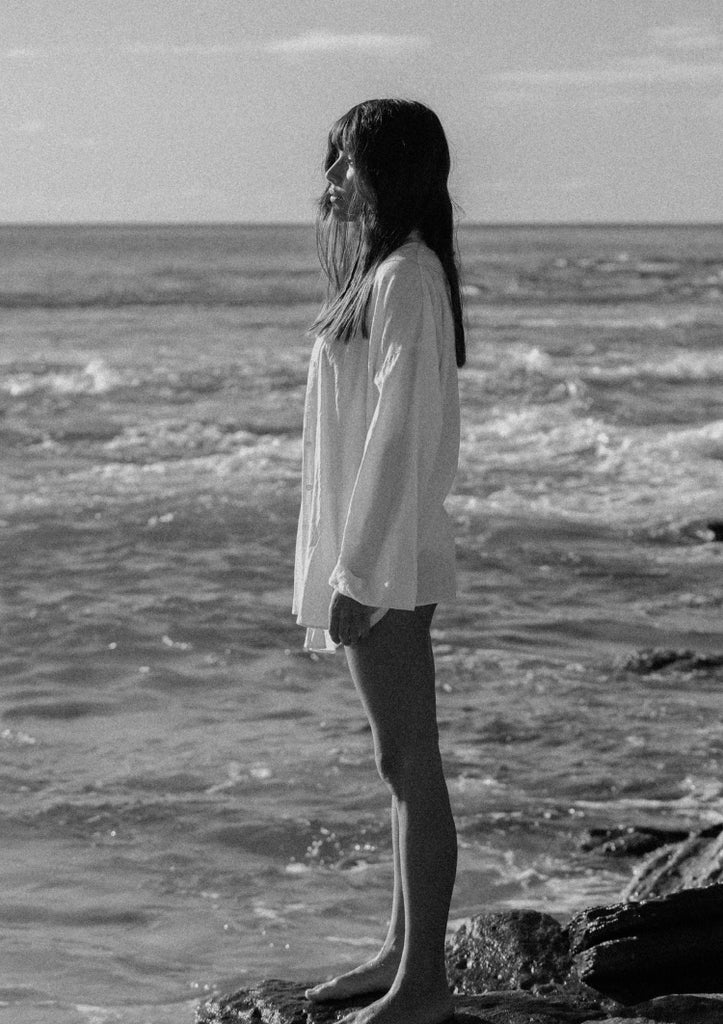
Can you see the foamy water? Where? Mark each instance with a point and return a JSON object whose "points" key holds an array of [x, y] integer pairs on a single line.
{"points": [[189, 800]]}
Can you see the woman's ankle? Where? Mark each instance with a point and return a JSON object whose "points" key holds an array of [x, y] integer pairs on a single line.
{"points": [[391, 952], [421, 977]]}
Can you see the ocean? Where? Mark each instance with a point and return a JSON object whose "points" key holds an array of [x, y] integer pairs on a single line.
{"points": [[189, 801]]}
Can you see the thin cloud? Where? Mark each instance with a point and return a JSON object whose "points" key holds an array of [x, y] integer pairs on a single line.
{"points": [[190, 50], [528, 95], [308, 43], [631, 71], [714, 109], [81, 143], [22, 53], [335, 42], [28, 127], [689, 35]]}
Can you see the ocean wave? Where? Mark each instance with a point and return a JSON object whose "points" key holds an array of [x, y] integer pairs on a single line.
{"points": [[546, 462], [683, 367], [596, 285], [596, 279], [109, 295], [680, 532], [62, 710], [162, 383], [499, 369], [638, 317], [95, 378], [533, 432], [697, 443]]}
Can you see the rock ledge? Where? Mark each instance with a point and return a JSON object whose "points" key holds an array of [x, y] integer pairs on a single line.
{"points": [[282, 1002]]}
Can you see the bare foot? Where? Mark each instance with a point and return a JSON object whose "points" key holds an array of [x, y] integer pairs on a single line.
{"points": [[376, 975], [394, 1008]]}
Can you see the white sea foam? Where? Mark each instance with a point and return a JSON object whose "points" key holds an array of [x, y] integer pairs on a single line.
{"points": [[95, 378], [681, 367]]}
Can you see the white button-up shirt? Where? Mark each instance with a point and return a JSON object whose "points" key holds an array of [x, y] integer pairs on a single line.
{"points": [[380, 451]]}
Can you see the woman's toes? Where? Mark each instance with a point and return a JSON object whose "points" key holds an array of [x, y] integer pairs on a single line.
{"points": [[366, 980]]}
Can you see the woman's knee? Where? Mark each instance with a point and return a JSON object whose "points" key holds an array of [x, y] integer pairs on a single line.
{"points": [[390, 767], [400, 764]]}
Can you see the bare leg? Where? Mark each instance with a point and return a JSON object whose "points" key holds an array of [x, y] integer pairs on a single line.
{"points": [[377, 974], [393, 670]]}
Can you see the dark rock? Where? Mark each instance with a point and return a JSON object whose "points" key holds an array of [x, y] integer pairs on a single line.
{"points": [[636, 951], [692, 864], [516, 968], [509, 1007], [716, 528], [633, 841], [682, 1009], [656, 659], [627, 1020], [518, 949], [694, 531], [280, 1002], [601, 924]]}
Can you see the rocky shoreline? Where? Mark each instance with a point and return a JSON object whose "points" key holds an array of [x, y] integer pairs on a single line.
{"points": [[657, 956], [281, 1002]]}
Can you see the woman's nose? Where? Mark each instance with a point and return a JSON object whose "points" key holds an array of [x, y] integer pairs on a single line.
{"points": [[333, 174]]}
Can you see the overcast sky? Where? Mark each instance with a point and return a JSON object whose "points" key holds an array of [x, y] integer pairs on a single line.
{"points": [[217, 110]]}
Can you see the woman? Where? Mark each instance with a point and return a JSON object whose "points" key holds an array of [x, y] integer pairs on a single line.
{"points": [[375, 550]]}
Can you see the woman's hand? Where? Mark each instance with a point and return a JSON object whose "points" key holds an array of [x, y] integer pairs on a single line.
{"points": [[348, 620]]}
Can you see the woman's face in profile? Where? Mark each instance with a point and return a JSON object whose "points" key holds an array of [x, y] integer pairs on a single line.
{"points": [[342, 186]]}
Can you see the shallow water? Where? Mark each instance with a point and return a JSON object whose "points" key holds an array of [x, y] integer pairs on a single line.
{"points": [[188, 799]]}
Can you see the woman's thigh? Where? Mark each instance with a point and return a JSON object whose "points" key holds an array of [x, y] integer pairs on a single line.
{"points": [[393, 671]]}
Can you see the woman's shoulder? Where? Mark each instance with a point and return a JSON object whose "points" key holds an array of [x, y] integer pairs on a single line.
{"points": [[411, 266]]}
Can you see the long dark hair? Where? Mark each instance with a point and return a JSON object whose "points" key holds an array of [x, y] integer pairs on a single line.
{"points": [[401, 165]]}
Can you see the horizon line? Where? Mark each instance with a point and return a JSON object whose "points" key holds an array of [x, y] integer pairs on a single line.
{"points": [[310, 224]]}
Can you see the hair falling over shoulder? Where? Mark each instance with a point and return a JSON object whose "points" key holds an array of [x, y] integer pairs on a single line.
{"points": [[401, 164]]}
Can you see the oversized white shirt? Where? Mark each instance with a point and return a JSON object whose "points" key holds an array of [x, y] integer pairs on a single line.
{"points": [[380, 452]]}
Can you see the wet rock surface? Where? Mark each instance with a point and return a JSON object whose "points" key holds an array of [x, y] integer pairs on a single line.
{"points": [[651, 960], [657, 659], [282, 1002], [519, 949], [716, 529], [691, 864], [677, 1009], [637, 951], [631, 841]]}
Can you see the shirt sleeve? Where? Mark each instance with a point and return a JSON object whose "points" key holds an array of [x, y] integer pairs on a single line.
{"points": [[377, 563]]}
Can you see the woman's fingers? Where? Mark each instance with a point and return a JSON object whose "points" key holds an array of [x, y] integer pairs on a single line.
{"points": [[359, 625], [347, 627], [335, 625], [341, 623], [364, 624], [348, 620]]}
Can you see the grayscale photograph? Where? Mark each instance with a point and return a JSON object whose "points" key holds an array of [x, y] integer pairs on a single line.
{"points": [[361, 512]]}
